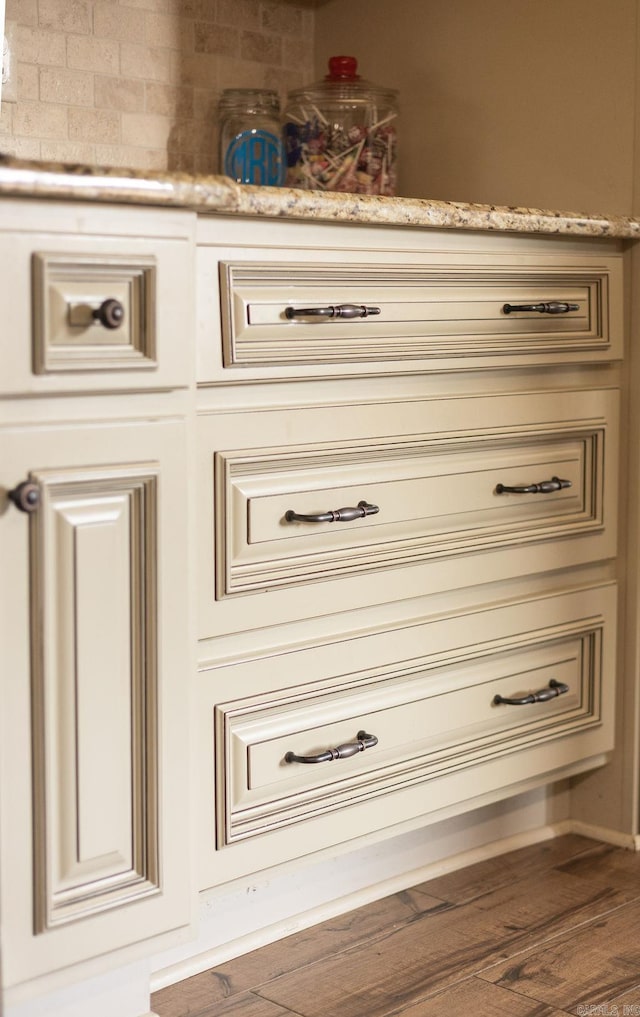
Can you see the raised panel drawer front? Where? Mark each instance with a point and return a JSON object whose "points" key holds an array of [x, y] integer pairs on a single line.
{"points": [[504, 694], [537, 468], [104, 307], [297, 315], [94, 313]]}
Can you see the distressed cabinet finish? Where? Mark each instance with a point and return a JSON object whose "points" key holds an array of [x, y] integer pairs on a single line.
{"points": [[431, 311], [431, 305], [95, 622], [408, 496], [319, 535], [440, 477], [436, 700]]}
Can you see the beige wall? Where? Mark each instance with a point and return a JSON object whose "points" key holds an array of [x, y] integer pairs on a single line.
{"points": [[515, 102], [136, 82]]}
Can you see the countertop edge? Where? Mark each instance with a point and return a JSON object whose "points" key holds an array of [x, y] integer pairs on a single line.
{"points": [[216, 195]]}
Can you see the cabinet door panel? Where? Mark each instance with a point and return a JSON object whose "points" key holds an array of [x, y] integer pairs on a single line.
{"points": [[95, 716], [95, 685]]}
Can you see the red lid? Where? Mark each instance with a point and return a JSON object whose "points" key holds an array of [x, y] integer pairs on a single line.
{"points": [[342, 68]]}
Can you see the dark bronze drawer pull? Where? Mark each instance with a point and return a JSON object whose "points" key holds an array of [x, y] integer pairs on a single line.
{"points": [[365, 741], [337, 311], [553, 690], [544, 487], [546, 307], [342, 515], [26, 496]]}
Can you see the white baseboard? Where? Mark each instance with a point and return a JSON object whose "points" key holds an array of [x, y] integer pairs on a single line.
{"points": [[629, 841]]}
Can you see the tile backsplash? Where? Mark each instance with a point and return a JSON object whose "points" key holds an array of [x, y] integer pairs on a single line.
{"points": [[136, 82]]}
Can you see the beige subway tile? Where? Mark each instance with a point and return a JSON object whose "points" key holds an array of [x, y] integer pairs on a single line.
{"points": [[241, 74], [65, 15], [265, 49], [131, 157], [309, 24], [67, 88], [207, 139], [216, 39], [298, 55], [240, 13], [146, 130], [67, 151], [24, 12], [124, 94], [21, 148], [199, 70], [97, 126], [169, 100], [28, 82], [150, 5], [175, 69], [40, 120], [40, 46], [185, 136], [181, 162], [102, 56], [206, 163], [114, 155], [201, 10], [282, 80], [285, 19], [152, 159], [121, 24], [168, 31], [6, 119], [144, 62], [205, 104]]}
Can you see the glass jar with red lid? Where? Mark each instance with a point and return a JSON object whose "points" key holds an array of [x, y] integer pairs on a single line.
{"points": [[341, 133]]}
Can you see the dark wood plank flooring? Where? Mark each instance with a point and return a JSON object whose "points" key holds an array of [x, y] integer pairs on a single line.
{"points": [[549, 930]]}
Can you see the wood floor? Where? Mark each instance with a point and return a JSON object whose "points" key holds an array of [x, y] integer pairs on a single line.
{"points": [[548, 930]]}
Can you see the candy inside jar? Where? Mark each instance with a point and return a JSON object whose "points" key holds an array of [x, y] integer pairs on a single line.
{"points": [[341, 134]]}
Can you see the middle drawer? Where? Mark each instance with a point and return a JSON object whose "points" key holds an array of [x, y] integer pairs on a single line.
{"points": [[484, 476]]}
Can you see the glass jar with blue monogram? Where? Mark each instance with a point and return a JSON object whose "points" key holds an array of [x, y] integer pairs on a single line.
{"points": [[251, 148]]}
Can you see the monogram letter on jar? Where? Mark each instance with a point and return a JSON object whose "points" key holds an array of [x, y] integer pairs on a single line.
{"points": [[251, 149], [341, 135]]}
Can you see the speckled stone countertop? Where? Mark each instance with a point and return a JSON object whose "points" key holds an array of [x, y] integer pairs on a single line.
{"points": [[222, 196]]}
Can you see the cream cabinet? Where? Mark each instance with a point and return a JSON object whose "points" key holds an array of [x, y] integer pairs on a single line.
{"points": [[408, 496], [96, 631], [309, 534]]}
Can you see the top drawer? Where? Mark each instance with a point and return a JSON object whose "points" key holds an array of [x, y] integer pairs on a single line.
{"points": [[106, 307], [291, 314]]}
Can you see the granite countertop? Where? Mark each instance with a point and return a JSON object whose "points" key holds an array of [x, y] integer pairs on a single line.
{"points": [[222, 196]]}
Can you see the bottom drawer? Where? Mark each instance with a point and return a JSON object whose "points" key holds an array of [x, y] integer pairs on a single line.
{"points": [[497, 696]]}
